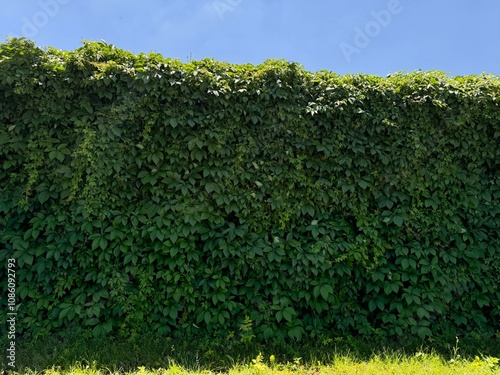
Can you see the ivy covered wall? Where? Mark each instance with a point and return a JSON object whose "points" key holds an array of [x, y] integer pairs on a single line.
{"points": [[139, 194]]}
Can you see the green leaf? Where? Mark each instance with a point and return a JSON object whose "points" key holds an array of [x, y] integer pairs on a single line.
{"points": [[103, 243], [422, 313], [413, 263], [268, 333], [363, 184], [429, 203], [28, 259], [98, 331], [386, 203], [65, 312], [288, 313], [388, 289], [221, 319], [96, 311], [107, 326], [395, 287], [380, 304], [398, 220], [210, 187], [159, 234], [279, 316], [207, 317], [296, 333], [103, 293], [483, 302], [43, 196], [424, 332], [372, 305], [308, 209], [325, 291], [316, 291], [348, 187], [92, 321], [73, 239]]}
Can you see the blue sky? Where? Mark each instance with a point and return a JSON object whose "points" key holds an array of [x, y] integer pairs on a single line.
{"points": [[379, 37]]}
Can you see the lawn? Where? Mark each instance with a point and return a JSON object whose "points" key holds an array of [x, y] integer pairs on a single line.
{"points": [[73, 354], [419, 363]]}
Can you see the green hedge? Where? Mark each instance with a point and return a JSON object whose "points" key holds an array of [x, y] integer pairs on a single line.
{"points": [[143, 194]]}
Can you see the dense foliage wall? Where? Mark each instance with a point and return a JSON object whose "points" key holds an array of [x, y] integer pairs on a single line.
{"points": [[138, 193]]}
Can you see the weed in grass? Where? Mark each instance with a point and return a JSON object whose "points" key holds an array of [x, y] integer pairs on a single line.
{"points": [[455, 356], [246, 331]]}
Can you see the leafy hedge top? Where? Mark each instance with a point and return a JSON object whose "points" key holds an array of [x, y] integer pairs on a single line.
{"points": [[141, 191]]}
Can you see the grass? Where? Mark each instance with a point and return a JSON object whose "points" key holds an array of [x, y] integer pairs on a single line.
{"points": [[72, 353], [417, 364]]}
